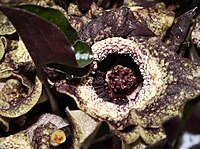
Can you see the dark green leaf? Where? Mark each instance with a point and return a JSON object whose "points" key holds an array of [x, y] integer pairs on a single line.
{"points": [[82, 51], [83, 54], [50, 44], [54, 16], [44, 41]]}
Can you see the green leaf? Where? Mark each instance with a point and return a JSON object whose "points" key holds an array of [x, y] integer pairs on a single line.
{"points": [[82, 51], [50, 39], [55, 17], [45, 42], [83, 54]]}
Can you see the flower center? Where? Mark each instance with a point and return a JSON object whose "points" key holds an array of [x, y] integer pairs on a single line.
{"points": [[117, 79], [121, 80]]}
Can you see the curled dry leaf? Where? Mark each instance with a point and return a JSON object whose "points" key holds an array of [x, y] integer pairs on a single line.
{"points": [[135, 85]]}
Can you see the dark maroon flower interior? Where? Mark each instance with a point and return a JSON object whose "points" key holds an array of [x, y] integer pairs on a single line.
{"points": [[116, 77]]}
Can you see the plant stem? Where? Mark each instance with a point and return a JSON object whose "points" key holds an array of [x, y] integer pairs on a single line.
{"points": [[53, 102]]}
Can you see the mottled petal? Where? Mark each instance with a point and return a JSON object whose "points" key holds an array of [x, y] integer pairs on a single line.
{"points": [[6, 28], [15, 55], [37, 135], [19, 140], [18, 99], [177, 83], [157, 18], [3, 44], [105, 26], [180, 29], [196, 33]]}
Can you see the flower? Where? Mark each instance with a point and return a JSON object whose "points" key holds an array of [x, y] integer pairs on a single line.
{"points": [[38, 135], [58, 137], [160, 84]]}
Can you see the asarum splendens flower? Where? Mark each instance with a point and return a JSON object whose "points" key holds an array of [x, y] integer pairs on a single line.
{"points": [[44, 133], [135, 85]]}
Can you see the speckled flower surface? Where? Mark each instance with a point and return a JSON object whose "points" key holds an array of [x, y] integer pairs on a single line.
{"points": [[196, 33], [136, 81], [37, 135], [168, 81], [22, 88]]}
